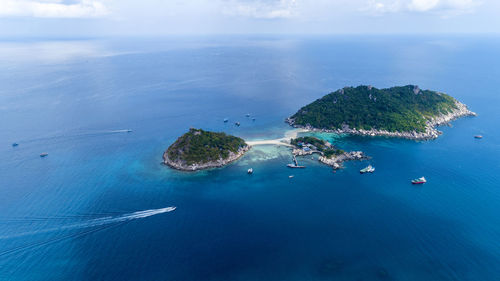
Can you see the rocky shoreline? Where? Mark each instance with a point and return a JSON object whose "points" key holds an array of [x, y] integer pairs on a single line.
{"points": [[430, 133], [180, 165], [336, 160]]}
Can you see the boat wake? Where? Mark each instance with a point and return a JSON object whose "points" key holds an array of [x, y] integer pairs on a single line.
{"points": [[73, 136], [119, 131], [97, 222], [90, 226]]}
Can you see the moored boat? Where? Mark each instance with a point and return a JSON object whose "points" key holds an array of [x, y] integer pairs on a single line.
{"points": [[15, 144], [368, 169], [226, 120], [294, 166], [421, 180], [237, 124], [478, 136], [43, 154]]}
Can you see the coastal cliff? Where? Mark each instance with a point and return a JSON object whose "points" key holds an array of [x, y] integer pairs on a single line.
{"points": [[404, 112], [199, 149], [336, 160]]}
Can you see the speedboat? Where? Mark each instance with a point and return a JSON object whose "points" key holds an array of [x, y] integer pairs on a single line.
{"points": [[295, 166], [250, 171], [478, 136], [44, 154], [368, 169], [237, 124], [129, 131], [226, 120], [421, 180]]}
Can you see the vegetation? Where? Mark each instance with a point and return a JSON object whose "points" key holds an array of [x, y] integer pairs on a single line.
{"points": [[322, 146], [199, 146], [402, 109]]}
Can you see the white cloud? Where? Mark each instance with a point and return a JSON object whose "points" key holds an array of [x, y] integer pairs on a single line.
{"points": [[261, 9], [380, 6], [423, 5], [443, 7], [52, 8]]}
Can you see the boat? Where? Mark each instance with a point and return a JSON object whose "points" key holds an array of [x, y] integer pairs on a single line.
{"points": [[129, 131], [478, 136], [253, 119], [250, 171], [43, 154], [294, 166], [290, 176], [237, 124], [419, 181], [15, 144], [226, 120], [247, 115], [368, 169]]}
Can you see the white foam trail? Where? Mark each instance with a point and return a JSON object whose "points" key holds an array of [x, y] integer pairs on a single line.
{"points": [[98, 222], [120, 131]]}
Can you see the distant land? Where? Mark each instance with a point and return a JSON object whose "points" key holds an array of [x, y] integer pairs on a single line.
{"points": [[406, 112], [198, 149]]}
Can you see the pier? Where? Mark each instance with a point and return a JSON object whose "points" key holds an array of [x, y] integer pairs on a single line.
{"points": [[295, 164]]}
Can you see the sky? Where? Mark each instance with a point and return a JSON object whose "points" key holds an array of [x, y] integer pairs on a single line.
{"points": [[87, 18]]}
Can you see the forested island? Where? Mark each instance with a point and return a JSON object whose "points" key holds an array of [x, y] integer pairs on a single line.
{"points": [[330, 154], [405, 111], [308, 145], [198, 149]]}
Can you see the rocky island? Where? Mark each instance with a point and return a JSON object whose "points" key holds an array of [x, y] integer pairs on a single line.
{"points": [[406, 112], [330, 155], [198, 149]]}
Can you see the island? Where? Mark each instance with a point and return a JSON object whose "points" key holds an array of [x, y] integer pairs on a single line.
{"points": [[405, 111], [329, 154], [198, 149]]}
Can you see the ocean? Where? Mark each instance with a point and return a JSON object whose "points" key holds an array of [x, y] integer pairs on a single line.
{"points": [[95, 207]]}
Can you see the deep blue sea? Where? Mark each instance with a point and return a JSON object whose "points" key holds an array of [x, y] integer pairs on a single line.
{"points": [[73, 214]]}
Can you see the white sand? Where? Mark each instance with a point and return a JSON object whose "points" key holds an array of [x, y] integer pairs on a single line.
{"points": [[281, 141]]}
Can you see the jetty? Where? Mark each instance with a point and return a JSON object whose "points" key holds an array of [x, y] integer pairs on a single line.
{"points": [[295, 164]]}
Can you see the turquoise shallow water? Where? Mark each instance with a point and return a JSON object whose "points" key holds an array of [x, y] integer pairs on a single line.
{"points": [[61, 217]]}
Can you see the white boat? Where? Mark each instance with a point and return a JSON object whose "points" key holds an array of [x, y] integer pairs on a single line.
{"points": [[368, 169], [290, 176], [295, 166], [250, 171], [421, 180]]}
